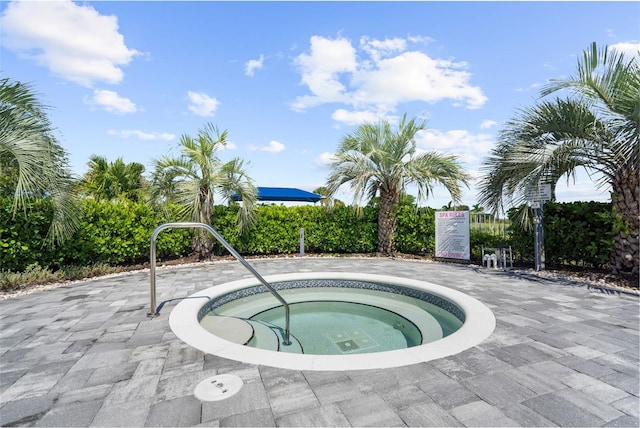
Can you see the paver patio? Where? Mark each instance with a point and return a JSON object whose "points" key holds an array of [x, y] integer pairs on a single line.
{"points": [[85, 354]]}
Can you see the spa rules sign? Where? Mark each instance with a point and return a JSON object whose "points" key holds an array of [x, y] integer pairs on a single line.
{"points": [[452, 235]]}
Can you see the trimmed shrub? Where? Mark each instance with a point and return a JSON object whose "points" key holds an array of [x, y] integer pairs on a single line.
{"points": [[575, 233], [22, 236], [109, 233], [118, 233], [416, 230], [277, 231]]}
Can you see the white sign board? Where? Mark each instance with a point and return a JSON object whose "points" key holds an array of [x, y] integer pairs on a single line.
{"points": [[541, 192], [452, 235]]}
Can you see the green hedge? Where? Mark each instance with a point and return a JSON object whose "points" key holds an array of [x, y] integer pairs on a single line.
{"points": [[576, 233], [277, 231], [109, 233], [118, 233], [416, 230], [22, 236]]}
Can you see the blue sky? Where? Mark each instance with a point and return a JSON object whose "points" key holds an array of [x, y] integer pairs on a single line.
{"points": [[289, 79]]}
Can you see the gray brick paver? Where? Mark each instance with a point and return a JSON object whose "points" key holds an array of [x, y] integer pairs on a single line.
{"points": [[135, 389], [562, 412], [25, 411], [102, 359], [77, 414], [130, 414], [291, 398], [370, 410], [112, 374], [534, 380], [629, 405], [482, 414], [590, 403], [625, 421], [498, 389], [325, 416], [331, 393], [623, 382], [587, 367], [31, 384], [526, 417], [179, 412], [89, 348], [427, 414], [89, 393], [402, 396]]}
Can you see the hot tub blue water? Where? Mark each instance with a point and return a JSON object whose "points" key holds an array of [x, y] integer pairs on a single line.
{"points": [[335, 317], [334, 328]]}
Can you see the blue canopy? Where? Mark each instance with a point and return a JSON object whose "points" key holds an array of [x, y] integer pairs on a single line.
{"points": [[284, 194]]}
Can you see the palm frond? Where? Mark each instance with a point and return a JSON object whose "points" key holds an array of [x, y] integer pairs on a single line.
{"points": [[26, 143]]}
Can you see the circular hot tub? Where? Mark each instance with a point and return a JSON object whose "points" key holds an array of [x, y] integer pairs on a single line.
{"points": [[339, 321]]}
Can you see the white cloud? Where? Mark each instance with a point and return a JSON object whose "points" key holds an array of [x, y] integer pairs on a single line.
{"points": [[252, 65], [272, 147], [381, 75], [111, 101], [325, 159], [583, 189], [355, 117], [141, 135], [486, 124], [470, 148], [321, 70], [202, 104], [229, 146], [629, 49], [72, 41], [382, 48], [534, 86]]}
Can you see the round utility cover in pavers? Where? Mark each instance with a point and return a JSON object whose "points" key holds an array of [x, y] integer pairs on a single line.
{"points": [[218, 387]]}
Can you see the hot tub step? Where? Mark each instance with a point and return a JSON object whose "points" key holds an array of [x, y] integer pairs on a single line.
{"points": [[233, 329], [263, 337]]}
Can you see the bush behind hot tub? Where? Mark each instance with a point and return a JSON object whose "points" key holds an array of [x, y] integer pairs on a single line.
{"points": [[119, 233]]}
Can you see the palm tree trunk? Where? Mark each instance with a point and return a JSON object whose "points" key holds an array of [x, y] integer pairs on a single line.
{"points": [[203, 243], [626, 190], [387, 222]]}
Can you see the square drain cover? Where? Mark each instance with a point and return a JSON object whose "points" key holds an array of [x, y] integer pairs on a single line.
{"points": [[347, 345]]}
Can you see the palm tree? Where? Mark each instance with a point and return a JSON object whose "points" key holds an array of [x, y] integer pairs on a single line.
{"points": [[477, 209], [376, 160], [328, 201], [596, 128], [451, 206], [114, 180], [193, 179], [36, 165]]}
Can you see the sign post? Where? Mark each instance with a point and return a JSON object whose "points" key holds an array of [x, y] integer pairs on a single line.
{"points": [[537, 195], [538, 231]]}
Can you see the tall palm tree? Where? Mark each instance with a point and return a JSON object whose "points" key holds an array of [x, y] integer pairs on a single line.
{"points": [[33, 158], [376, 160], [114, 180], [193, 179], [596, 127]]}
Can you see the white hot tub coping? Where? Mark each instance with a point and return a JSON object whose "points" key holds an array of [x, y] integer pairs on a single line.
{"points": [[479, 325]]}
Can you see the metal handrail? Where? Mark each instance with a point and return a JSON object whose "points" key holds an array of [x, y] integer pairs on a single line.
{"points": [[234, 253]]}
